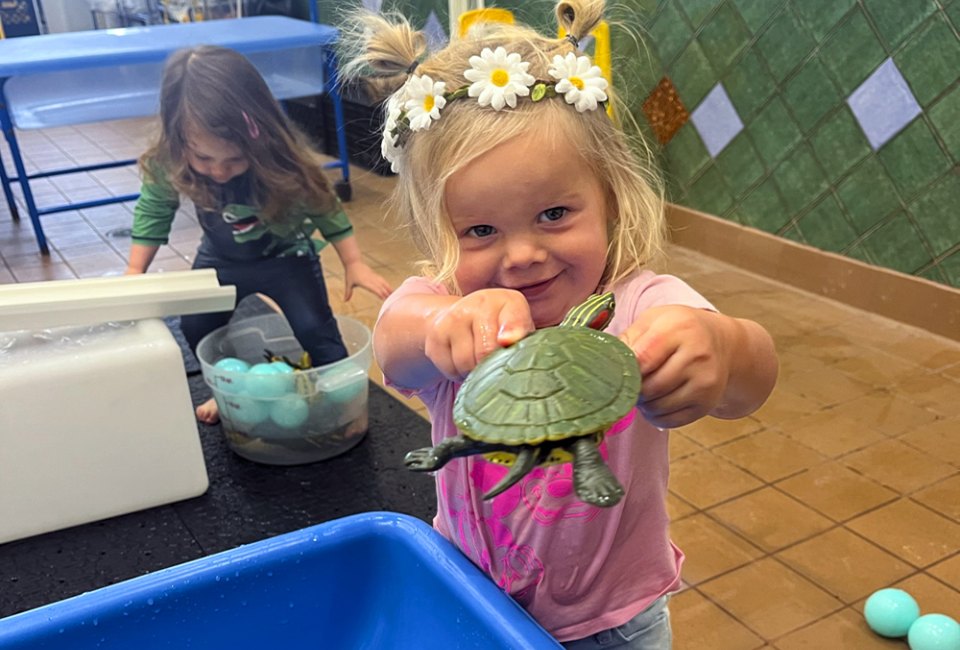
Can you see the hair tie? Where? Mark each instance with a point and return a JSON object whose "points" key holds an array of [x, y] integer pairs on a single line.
{"points": [[573, 39], [252, 129]]}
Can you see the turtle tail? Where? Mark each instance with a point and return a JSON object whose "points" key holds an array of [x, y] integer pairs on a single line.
{"points": [[526, 460]]}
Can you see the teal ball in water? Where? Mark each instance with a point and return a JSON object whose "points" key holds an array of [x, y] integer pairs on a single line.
{"points": [[243, 411], [891, 612], [343, 384], [229, 374], [266, 380], [232, 364], [282, 366], [290, 411], [934, 632]]}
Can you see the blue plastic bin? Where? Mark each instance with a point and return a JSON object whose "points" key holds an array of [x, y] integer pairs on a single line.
{"points": [[377, 580]]}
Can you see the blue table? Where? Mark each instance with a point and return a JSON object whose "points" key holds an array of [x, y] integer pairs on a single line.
{"points": [[72, 78]]}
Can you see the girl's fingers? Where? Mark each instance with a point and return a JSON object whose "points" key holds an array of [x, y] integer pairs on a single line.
{"points": [[667, 379], [651, 345], [468, 349], [380, 287], [473, 328], [514, 322], [442, 355], [665, 404], [454, 353], [673, 419]]}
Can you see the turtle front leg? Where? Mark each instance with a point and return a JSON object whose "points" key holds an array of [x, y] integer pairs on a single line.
{"points": [[428, 459], [592, 478]]}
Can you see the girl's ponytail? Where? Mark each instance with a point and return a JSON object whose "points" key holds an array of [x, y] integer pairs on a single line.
{"points": [[578, 18], [386, 44]]}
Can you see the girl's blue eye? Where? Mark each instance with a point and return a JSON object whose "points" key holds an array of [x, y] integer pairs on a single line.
{"points": [[481, 231], [553, 214]]}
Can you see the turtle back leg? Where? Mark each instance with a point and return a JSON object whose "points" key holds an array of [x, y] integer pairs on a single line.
{"points": [[428, 459], [527, 458], [592, 478]]}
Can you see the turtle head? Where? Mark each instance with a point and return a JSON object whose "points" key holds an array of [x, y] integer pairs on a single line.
{"points": [[595, 312]]}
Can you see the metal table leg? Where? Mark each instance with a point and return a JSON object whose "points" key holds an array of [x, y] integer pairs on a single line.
{"points": [[7, 192], [331, 83], [7, 125]]}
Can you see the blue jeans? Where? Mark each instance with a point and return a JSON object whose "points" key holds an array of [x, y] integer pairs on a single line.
{"points": [[648, 630], [297, 286]]}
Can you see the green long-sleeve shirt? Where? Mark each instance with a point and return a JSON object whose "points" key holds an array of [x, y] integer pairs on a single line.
{"points": [[234, 232]]}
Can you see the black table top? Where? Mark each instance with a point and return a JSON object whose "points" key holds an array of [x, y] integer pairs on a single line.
{"points": [[245, 502]]}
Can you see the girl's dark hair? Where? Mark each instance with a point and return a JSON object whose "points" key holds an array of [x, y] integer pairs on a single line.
{"points": [[220, 92]]}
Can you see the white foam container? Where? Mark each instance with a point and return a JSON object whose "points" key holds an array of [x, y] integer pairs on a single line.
{"points": [[96, 418], [95, 428]]}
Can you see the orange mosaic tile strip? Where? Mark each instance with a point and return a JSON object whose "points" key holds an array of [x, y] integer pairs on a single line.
{"points": [[665, 111]]}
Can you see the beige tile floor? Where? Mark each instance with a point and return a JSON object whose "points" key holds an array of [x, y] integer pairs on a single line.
{"points": [[846, 481]]}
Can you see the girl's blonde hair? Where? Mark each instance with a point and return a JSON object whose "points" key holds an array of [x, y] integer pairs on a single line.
{"points": [[391, 48], [218, 91]]}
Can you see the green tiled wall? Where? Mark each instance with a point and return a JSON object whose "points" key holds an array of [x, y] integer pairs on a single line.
{"points": [[802, 167]]}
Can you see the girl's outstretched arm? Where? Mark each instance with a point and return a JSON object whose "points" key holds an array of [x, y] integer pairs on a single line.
{"points": [[696, 362], [358, 273], [422, 338], [140, 258]]}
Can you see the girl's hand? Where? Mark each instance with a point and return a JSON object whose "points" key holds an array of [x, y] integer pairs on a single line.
{"points": [[358, 274], [463, 333], [684, 362], [696, 362]]}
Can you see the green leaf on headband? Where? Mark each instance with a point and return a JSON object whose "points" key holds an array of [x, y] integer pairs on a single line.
{"points": [[457, 94], [539, 92]]}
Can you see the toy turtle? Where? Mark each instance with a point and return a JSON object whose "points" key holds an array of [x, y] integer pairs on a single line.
{"points": [[546, 399]]}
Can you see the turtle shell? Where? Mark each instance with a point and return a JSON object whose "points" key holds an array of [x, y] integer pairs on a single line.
{"points": [[554, 384]]}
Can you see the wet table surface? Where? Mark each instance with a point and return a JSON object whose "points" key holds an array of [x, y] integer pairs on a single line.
{"points": [[245, 502]]}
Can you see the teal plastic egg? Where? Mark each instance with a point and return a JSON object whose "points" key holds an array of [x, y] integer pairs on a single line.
{"points": [[243, 411], [934, 632], [232, 364], [344, 383], [891, 612], [232, 379], [289, 411], [266, 380], [282, 366]]}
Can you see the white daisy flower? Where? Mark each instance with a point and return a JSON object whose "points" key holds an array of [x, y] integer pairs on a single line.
{"points": [[580, 83], [388, 147], [498, 78], [424, 101]]}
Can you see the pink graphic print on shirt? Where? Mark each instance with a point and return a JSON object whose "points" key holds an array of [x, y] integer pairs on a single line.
{"points": [[546, 493]]}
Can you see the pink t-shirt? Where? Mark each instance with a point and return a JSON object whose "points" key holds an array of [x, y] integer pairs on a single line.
{"points": [[578, 569]]}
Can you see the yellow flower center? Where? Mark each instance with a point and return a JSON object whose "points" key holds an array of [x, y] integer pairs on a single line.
{"points": [[577, 81], [500, 77], [428, 102]]}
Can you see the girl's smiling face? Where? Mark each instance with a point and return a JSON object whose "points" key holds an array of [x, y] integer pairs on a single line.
{"points": [[530, 216], [218, 159]]}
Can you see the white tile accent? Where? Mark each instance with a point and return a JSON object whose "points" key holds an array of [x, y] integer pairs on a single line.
{"points": [[716, 120], [883, 104], [433, 29]]}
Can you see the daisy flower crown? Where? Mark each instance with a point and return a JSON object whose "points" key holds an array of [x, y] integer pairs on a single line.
{"points": [[497, 79]]}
